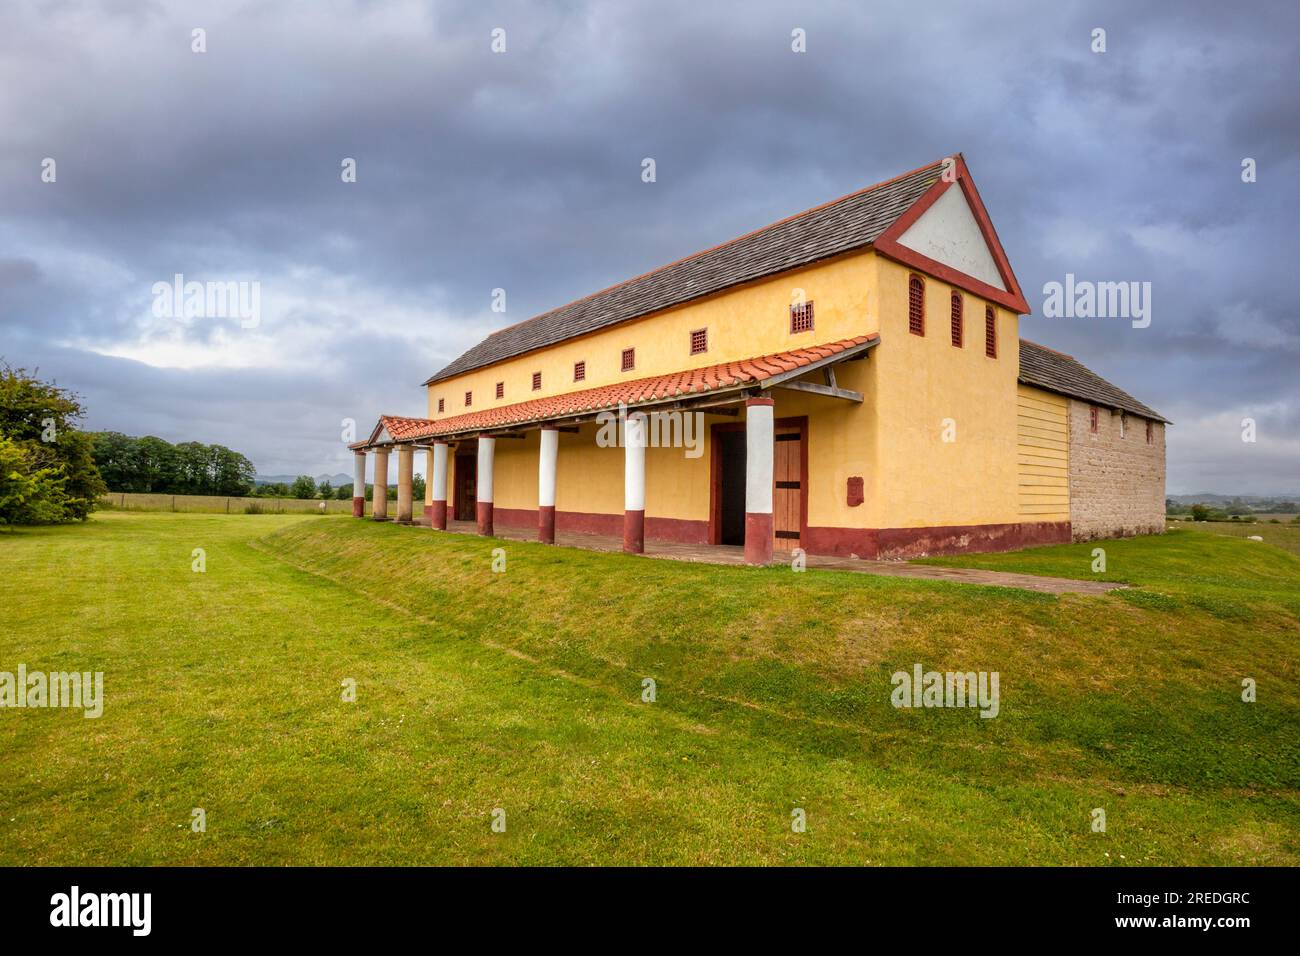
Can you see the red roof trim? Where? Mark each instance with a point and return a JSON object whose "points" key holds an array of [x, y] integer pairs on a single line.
{"points": [[888, 245]]}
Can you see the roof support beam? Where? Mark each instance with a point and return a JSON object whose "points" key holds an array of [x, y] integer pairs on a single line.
{"points": [[829, 391]]}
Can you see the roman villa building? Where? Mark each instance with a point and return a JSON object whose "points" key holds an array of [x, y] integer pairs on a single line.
{"points": [[850, 381]]}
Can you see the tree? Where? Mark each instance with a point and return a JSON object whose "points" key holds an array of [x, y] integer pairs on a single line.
{"points": [[151, 464], [49, 466], [230, 472], [157, 468], [28, 495], [115, 457], [190, 467], [417, 487], [343, 492], [304, 486], [325, 489]]}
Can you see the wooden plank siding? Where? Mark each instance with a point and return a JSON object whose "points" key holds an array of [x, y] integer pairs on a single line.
{"points": [[1043, 455]]}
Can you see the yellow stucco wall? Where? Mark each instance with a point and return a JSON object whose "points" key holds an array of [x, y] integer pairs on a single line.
{"points": [[894, 439], [589, 478], [922, 385], [1042, 455]]}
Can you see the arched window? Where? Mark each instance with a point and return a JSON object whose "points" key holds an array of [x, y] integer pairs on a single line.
{"points": [[956, 319], [990, 333], [916, 306]]}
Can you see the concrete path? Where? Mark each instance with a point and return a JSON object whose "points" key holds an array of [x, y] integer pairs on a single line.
{"points": [[733, 554]]}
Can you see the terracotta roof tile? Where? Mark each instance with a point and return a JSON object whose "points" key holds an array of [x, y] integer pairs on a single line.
{"points": [[639, 391]]}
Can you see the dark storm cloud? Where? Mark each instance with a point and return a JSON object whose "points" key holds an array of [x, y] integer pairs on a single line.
{"points": [[521, 171]]}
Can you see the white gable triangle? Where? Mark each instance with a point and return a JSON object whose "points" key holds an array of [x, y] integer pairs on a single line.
{"points": [[948, 232]]}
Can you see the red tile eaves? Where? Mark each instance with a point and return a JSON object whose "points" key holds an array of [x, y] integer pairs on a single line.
{"points": [[688, 382]]}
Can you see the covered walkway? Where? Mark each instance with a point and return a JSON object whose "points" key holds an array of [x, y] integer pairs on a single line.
{"points": [[642, 405]]}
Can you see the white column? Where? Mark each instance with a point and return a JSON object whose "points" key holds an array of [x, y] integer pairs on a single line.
{"points": [[359, 484], [547, 456], [634, 484], [760, 437], [438, 485], [405, 476], [379, 498], [483, 491]]}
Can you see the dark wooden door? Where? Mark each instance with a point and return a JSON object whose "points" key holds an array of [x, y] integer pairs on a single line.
{"points": [[465, 488], [732, 461]]}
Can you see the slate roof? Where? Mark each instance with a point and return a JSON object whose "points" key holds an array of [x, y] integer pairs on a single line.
{"points": [[851, 222], [724, 375], [1057, 372]]}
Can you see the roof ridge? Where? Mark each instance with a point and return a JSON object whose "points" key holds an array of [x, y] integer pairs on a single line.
{"points": [[703, 252], [723, 245]]}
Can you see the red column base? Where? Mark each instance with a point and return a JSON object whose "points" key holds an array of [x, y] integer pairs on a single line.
{"points": [[484, 517], [438, 516], [358, 507], [758, 538], [634, 532], [546, 524]]}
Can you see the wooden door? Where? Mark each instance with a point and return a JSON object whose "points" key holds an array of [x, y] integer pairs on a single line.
{"points": [[787, 493]]}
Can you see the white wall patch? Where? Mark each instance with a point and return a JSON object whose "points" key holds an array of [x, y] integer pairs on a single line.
{"points": [[948, 232]]}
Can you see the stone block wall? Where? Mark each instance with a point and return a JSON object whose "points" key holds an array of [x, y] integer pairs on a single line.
{"points": [[1117, 482]]}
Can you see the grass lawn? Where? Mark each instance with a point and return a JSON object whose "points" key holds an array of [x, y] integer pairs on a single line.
{"points": [[522, 690], [1285, 534]]}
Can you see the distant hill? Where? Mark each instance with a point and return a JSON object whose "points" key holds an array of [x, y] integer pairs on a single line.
{"points": [[1211, 498], [335, 480]]}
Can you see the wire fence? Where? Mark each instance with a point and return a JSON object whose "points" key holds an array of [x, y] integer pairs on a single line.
{"points": [[219, 504]]}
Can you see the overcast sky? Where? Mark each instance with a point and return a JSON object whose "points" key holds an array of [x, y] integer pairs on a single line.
{"points": [[522, 170]]}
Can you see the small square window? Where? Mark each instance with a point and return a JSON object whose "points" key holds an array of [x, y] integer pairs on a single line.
{"points": [[801, 317], [442, 405], [629, 359], [469, 399], [579, 371], [699, 341], [501, 389], [537, 381]]}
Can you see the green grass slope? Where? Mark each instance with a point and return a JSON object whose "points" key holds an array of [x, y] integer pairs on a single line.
{"points": [[522, 690]]}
